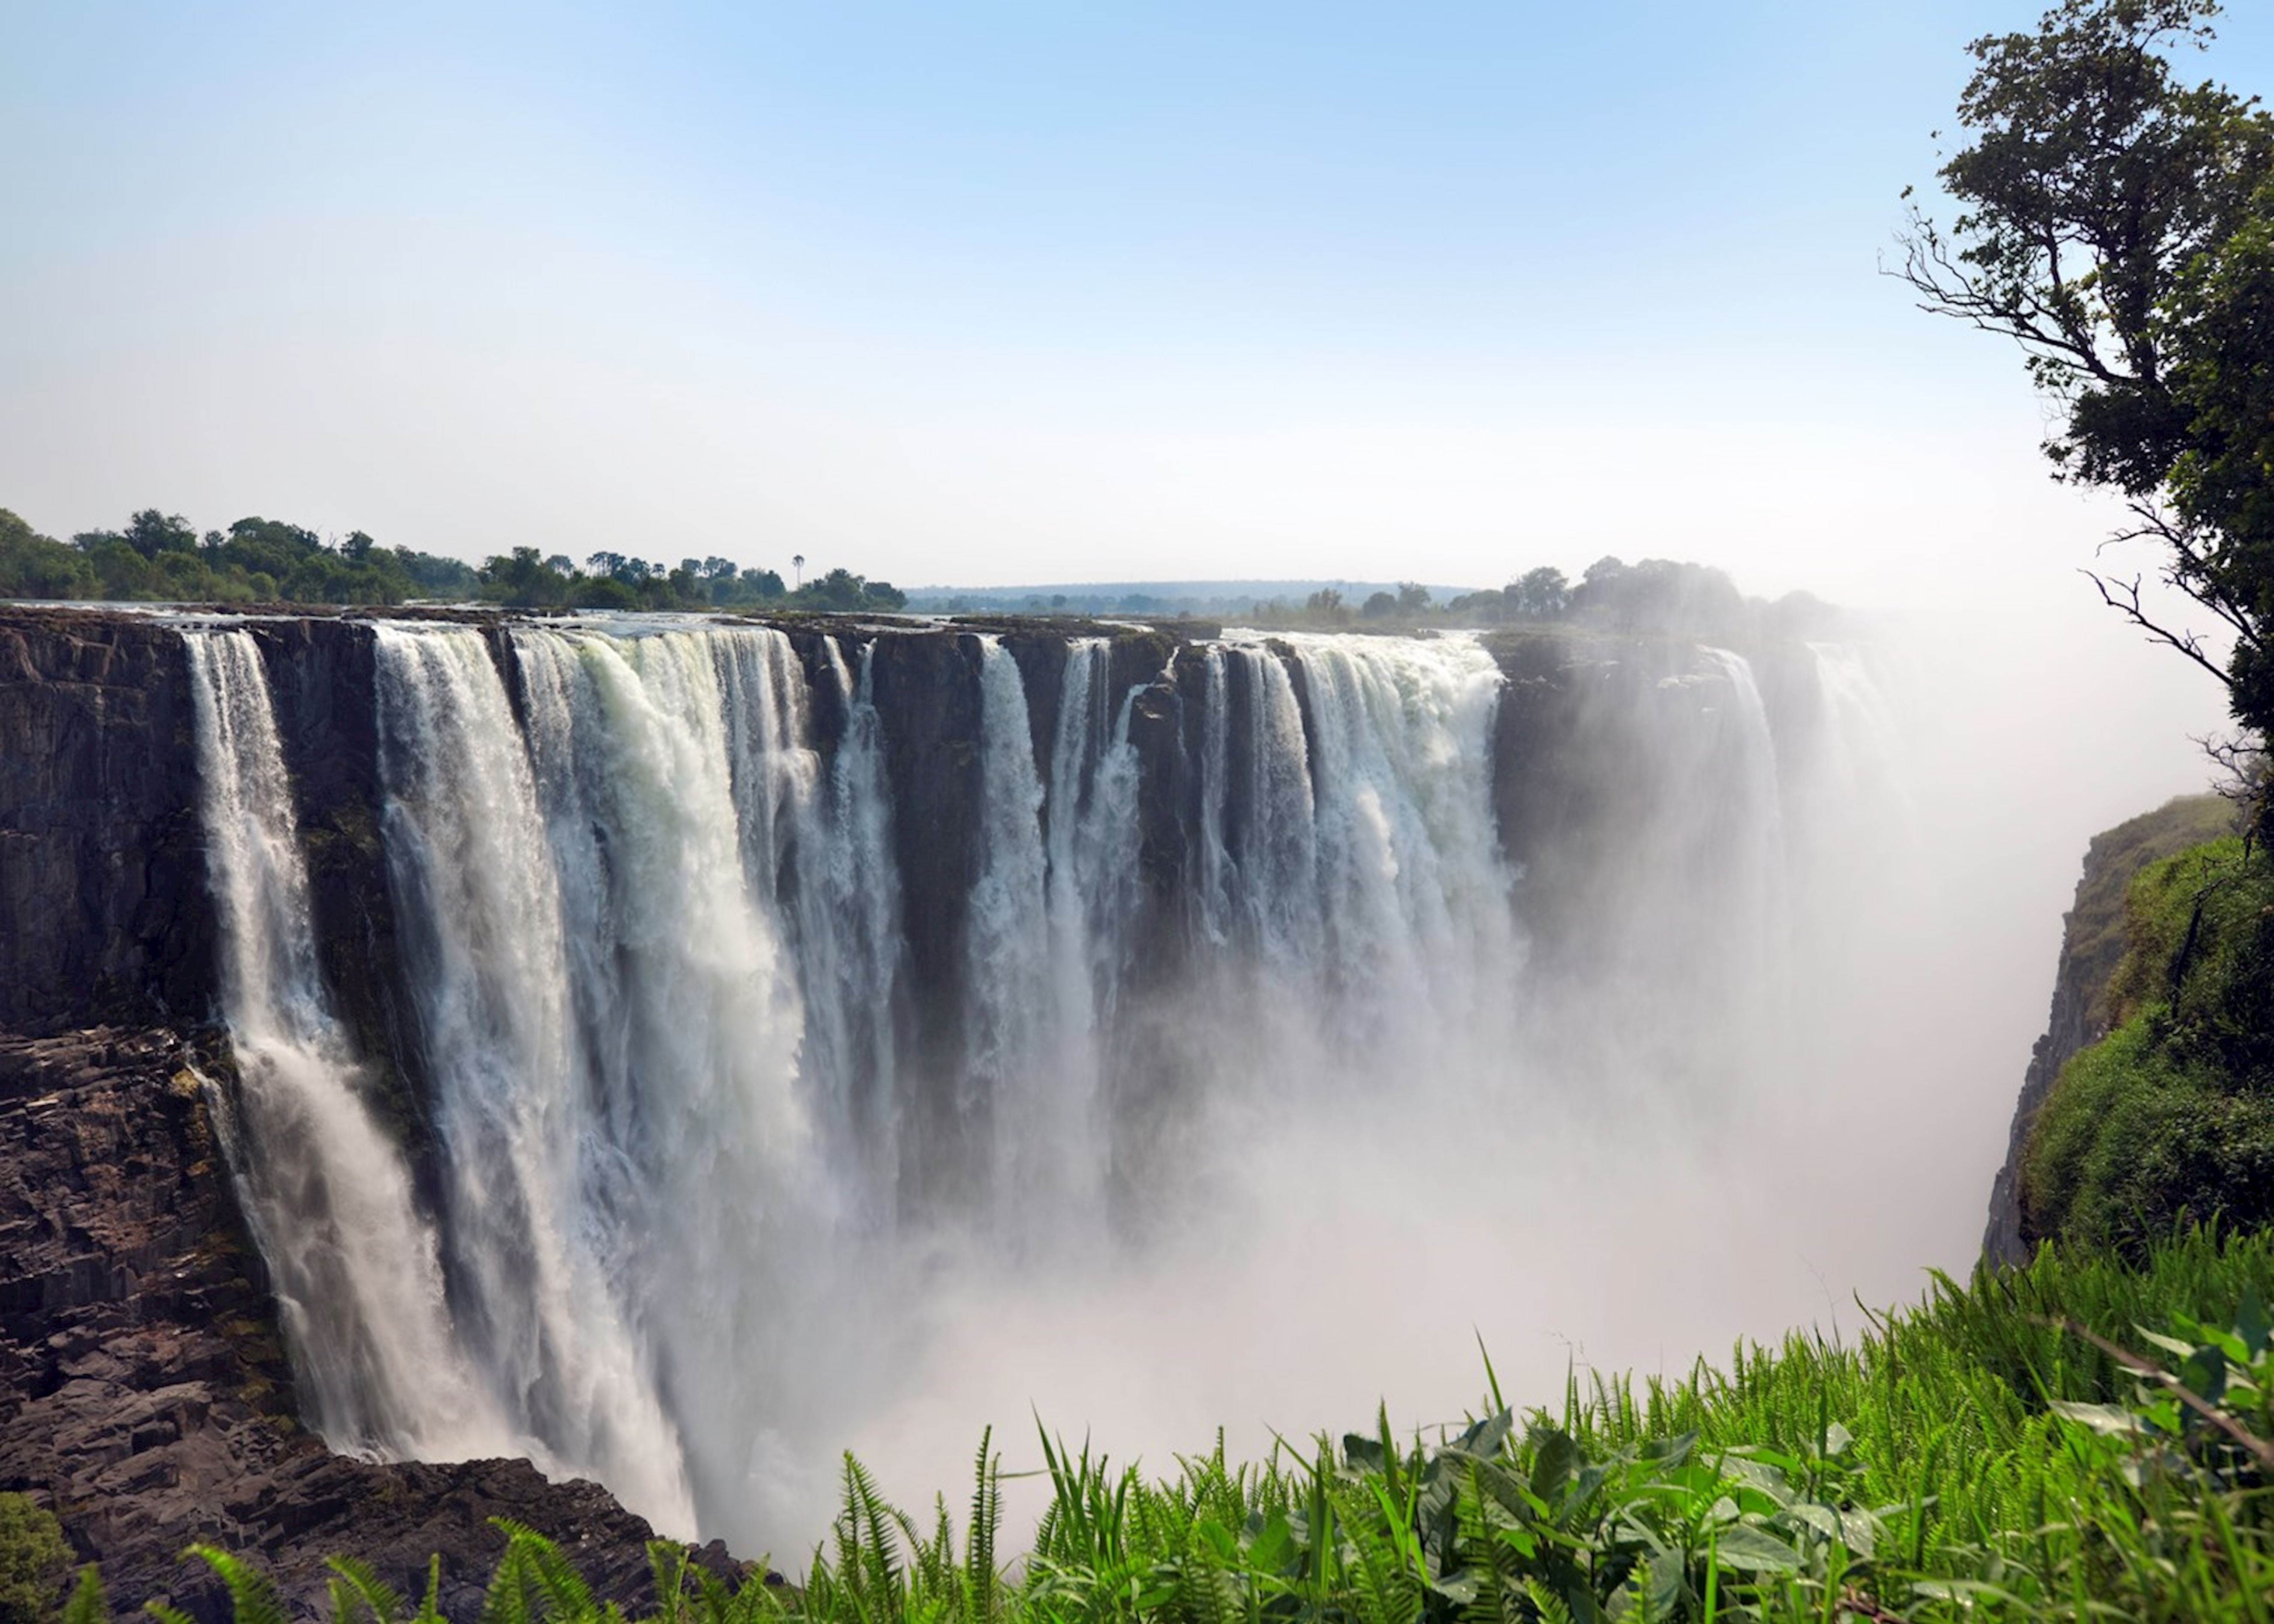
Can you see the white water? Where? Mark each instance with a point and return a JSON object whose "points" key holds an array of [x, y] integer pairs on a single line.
{"points": [[357, 1278], [1763, 880], [656, 943]]}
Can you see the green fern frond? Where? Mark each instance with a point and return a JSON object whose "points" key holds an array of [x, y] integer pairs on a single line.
{"points": [[356, 1588], [252, 1598], [87, 1605]]}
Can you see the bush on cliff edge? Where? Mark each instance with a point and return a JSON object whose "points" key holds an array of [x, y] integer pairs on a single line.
{"points": [[2172, 1115]]}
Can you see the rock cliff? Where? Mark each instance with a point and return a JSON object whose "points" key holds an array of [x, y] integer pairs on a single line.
{"points": [[2092, 946], [144, 1394]]}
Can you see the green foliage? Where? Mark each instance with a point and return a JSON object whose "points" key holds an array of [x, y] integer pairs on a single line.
{"points": [[2119, 223], [2171, 1116], [526, 580], [160, 557], [2096, 938], [33, 1559]]}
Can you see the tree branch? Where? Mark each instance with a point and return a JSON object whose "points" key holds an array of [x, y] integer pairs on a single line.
{"points": [[2125, 599]]}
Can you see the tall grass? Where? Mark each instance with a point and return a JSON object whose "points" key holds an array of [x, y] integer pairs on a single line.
{"points": [[1998, 1451]]}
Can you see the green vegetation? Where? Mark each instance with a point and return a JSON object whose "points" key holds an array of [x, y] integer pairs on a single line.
{"points": [[33, 1559], [2119, 222], [160, 558], [526, 580], [2172, 1115], [1992, 1453], [1651, 595], [2094, 941]]}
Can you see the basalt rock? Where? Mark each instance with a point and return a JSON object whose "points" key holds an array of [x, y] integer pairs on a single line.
{"points": [[145, 1395], [102, 907]]}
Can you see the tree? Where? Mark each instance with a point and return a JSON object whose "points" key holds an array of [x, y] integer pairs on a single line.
{"points": [[1538, 594], [150, 532], [1413, 597], [34, 1560], [2114, 222]]}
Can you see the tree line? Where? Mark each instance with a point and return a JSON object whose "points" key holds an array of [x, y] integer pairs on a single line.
{"points": [[1652, 595], [158, 556]]}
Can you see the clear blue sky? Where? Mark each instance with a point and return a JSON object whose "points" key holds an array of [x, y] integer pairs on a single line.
{"points": [[988, 293]]}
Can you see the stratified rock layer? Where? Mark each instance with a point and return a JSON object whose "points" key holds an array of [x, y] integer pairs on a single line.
{"points": [[144, 1395]]}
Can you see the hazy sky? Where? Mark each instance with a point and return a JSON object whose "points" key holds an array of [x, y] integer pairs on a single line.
{"points": [[982, 294]]}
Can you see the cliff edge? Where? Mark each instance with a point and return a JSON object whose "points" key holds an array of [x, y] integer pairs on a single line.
{"points": [[2092, 945]]}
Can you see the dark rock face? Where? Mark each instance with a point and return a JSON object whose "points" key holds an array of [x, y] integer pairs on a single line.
{"points": [[103, 908], [2092, 946], [144, 1394], [322, 677]]}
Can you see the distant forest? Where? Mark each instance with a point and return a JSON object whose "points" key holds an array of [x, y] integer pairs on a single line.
{"points": [[1654, 594], [161, 557]]}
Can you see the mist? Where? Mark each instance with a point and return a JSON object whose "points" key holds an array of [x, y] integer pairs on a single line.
{"points": [[1590, 1014], [1657, 1166]]}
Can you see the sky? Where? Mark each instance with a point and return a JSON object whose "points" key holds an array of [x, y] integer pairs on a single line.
{"points": [[990, 294]]}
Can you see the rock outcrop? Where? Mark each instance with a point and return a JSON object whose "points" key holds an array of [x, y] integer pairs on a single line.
{"points": [[2092, 946], [145, 1396], [102, 906]]}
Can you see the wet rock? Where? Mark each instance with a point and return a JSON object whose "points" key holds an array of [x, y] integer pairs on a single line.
{"points": [[145, 1397]]}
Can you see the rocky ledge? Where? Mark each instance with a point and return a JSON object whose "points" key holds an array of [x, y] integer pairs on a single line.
{"points": [[145, 1397]]}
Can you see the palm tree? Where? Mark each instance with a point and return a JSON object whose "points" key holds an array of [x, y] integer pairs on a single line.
{"points": [[797, 567]]}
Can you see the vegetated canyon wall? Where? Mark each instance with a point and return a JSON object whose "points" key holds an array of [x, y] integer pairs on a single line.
{"points": [[147, 1395], [2092, 946]]}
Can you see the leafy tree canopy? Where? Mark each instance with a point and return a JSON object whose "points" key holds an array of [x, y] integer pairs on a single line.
{"points": [[2115, 220], [158, 556]]}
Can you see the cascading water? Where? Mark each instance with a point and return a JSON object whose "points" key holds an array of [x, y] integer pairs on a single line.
{"points": [[358, 1277], [1757, 807], [549, 1314], [847, 920], [651, 909]]}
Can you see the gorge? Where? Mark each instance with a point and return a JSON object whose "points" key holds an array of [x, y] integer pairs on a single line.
{"points": [[650, 1049]]}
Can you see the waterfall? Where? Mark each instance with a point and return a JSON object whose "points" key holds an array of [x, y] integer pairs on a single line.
{"points": [[849, 950], [1356, 866], [1759, 843], [1259, 818], [355, 1266], [1864, 749], [702, 1137], [548, 1306], [1033, 1061]]}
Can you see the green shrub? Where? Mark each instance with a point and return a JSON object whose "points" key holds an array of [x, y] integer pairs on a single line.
{"points": [[33, 1560], [2172, 1115]]}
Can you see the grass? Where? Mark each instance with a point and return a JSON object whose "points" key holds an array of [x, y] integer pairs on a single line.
{"points": [[1995, 1452]]}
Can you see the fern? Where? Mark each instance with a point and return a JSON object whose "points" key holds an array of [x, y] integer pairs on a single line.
{"points": [[252, 1598], [668, 1563], [87, 1605], [355, 1587], [981, 1578]]}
